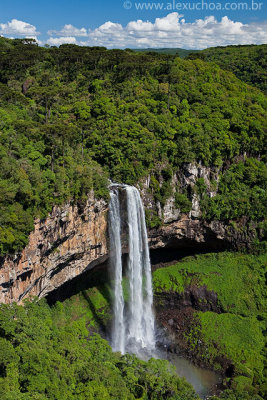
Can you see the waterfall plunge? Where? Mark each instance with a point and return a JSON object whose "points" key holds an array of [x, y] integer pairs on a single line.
{"points": [[133, 326], [118, 330]]}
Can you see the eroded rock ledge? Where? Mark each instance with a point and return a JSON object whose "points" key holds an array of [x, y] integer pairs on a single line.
{"points": [[187, 233], [69, 241], [74, 238]]}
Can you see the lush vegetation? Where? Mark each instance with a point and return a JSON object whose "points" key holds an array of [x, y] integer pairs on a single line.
{"points": [[238, 279], [237, 332], [247, 62], [72, 117], [173, 51], [55, 353], [49, 354], [241, 192]]}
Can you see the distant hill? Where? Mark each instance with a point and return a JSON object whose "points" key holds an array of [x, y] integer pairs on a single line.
{"points": [[248, 62], [180, 52]]}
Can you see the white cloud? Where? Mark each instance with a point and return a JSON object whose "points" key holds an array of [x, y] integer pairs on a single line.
{"points": [[169, 31], [69, 30], [16, 27], [174, 31], [170, 23], [61, 40], [139, 26]]}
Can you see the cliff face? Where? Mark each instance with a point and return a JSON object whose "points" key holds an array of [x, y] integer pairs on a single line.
{"points": [[182, 181], [187, 231], [73, 239]]}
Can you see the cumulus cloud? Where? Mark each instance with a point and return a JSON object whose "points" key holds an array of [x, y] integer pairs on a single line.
{"points": [[61, 40], [16, 27], [69, 30], [173, 31], [106, 35], [169, 31]]}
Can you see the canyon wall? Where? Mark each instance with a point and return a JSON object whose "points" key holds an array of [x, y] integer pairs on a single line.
{"points": [[74, 239], [69, 241]]}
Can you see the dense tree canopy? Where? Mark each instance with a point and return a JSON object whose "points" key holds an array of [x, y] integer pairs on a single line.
{"points": [[247, 62], [72, 117], [44, 354]]}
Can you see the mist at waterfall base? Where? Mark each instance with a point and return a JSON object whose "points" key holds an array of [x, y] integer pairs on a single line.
{"points": [[133, 329]]}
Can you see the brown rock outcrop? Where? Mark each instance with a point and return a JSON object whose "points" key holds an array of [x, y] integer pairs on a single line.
{"points": [[74, 238], [69, 241], [201, 235]]}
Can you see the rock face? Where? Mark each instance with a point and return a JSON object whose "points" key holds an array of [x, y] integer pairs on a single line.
{"points": [[183, 181], [74, 238], [201, 235], [71, 240], [182, 230], [195, 297]]}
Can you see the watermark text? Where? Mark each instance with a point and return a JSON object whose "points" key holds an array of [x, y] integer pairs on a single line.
{"points": [[251, 5]]}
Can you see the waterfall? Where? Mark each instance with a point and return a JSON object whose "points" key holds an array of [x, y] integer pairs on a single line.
{"points": [[141, 320], [133, 327], [118, 330]]}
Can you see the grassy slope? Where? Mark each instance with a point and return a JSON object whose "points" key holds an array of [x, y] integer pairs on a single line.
{"points": [[89, 305], [236, 278], [237, 333]]}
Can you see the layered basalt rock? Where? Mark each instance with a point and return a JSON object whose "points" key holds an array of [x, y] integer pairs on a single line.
{"points": [[72, 239], [196, 297], [183, 181], [188, 233]]}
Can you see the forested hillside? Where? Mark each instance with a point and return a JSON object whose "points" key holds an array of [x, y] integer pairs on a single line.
{"points": [[72, 117], [173, 51], [52, 352], [49, 354], [248, 63]]}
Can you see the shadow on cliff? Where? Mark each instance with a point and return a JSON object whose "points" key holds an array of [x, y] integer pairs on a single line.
{"points": [[168, 256], [99, 277]]}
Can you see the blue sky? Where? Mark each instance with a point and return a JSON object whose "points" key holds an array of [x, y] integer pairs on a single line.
{"points": [[122, 23]]}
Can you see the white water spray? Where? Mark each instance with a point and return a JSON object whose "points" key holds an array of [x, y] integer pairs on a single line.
{"points": [[118, 330], [133, 328]]}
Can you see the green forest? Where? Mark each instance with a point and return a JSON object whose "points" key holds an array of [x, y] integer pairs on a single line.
{"points": [[53, 352], [48, 354], [248, 63], [73, 117]]}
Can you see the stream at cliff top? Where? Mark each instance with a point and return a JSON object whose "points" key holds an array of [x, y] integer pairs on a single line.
{"points": [[133, 329]]}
